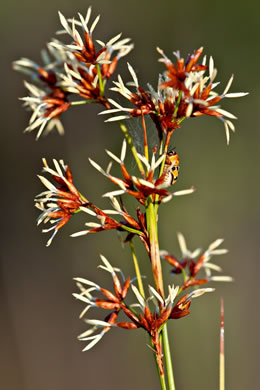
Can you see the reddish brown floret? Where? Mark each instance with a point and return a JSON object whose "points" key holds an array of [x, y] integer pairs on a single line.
{"points": [[107, 305], [48, 77], [194, 282], [57, 99], [87, 87], [126, 325], [181, 308], [193, 268], [177, 74], [69, 200], [55, 107]]}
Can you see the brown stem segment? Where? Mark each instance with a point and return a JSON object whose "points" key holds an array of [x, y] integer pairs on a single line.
{"points": [[154, 248]]}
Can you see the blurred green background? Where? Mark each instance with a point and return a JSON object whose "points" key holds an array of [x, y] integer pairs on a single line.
{"points": [[39, 318]]}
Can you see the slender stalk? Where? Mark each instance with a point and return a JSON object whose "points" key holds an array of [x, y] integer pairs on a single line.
{"points": [[137, 270], [141, 289], [222, 353], [161, 376], [154, 246], [168, 359], [151, 211], [100, 80], [127, 228], [162, 381], [132, 147], [131, 230], [177, 104]]}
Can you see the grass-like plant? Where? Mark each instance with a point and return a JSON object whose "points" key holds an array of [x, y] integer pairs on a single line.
{"points": [[78, 73]]}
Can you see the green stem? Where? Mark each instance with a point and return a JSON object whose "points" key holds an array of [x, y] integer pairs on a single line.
{"points": [[158, 278], [168, 360], [177, 104], [100, 80], [131, 230], [127, 228], [162, 379], [141, 289], [137, 270], [132, 147]]}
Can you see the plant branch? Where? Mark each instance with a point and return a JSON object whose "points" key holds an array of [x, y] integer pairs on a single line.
{"points": [[137, 270], [154, 246], [100, 80], [168, 360], [161, 375], [222, 353]]}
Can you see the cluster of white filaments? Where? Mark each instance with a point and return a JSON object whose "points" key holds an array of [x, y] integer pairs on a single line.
{"points": [[52, 66], [87, 297], [47, 201], [197, 79], [126, 93], [169, 300], [150, 166], [68, 70], [123, 47], [212, 250], [38, 106], [155, 297], [52, 60], [100, 327], [115, 211], [193, 81]]}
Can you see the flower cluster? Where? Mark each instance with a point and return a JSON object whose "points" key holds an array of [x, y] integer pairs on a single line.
{"points": [[63, 200], [47, 99], [90, 71], [193, 262], [141, 188], [183, 91], [59, 202], [76, 68], [80, 70], [84, 49], [139, 314]]}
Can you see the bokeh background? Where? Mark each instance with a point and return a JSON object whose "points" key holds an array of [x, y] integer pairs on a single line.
{"points": [[39, 317]]}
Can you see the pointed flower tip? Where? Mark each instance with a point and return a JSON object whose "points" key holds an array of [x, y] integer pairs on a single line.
{"points": [[222, 279], [48, 243], [78, 234], [197, 293]]}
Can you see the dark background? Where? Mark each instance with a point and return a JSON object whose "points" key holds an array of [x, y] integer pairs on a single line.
{"points": [[39, 321]]}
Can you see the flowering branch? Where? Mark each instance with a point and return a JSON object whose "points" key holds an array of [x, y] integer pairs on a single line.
{"points": [[78, 73]]}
